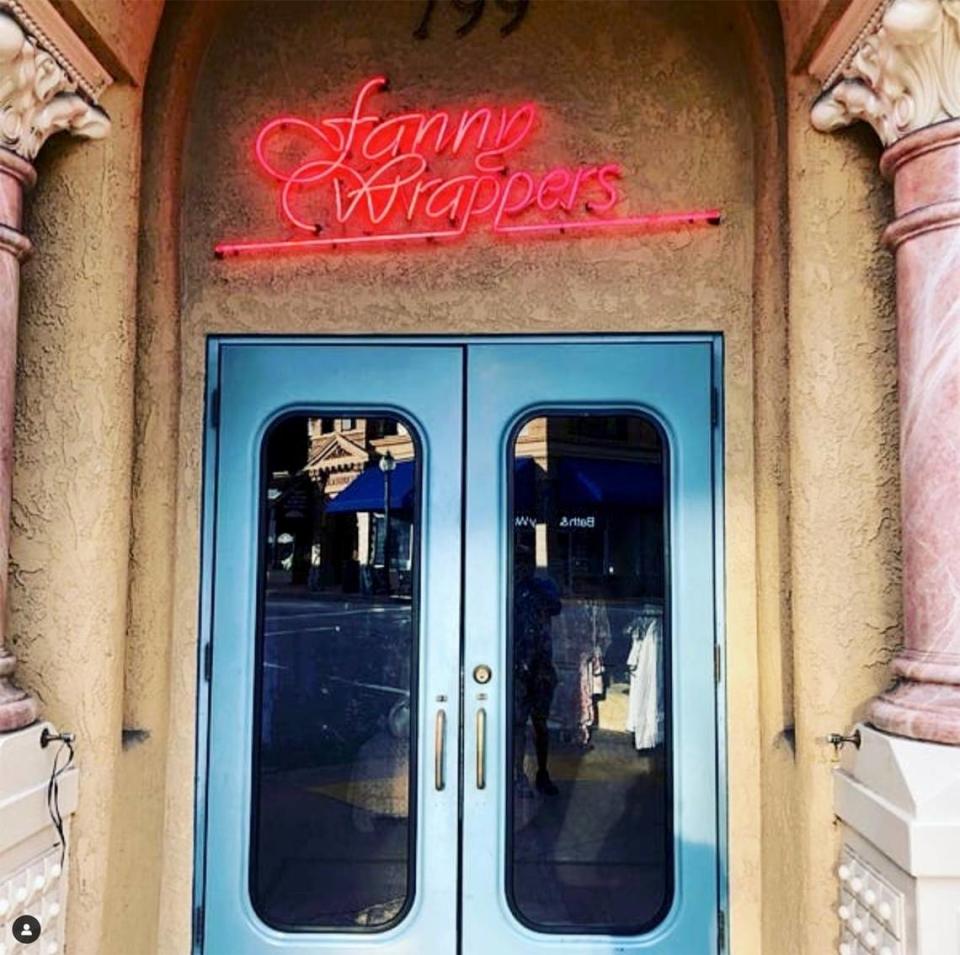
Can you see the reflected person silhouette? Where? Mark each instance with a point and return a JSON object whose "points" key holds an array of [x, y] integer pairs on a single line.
{"points": [[535, 601]]}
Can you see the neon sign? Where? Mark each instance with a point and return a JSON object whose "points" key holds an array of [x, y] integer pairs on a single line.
{"points": [[363, 179]]}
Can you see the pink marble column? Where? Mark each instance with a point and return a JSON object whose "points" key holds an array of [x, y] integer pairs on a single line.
{"points": [[17, 708], [925, 169]]}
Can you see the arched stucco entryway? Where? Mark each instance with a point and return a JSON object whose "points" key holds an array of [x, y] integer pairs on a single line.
{"points": [[788, 549]]}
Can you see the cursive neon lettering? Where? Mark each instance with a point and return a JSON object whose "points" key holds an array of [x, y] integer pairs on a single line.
{"points": [[447, 201], [604, 176], [493, 184], [580, 177], [357, 117], [511, 204], [363, 179], [379, 142], [552, 187], [515, 127]]}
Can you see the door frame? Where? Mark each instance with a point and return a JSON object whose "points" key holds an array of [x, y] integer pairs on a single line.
{"points": [[207, 556]]}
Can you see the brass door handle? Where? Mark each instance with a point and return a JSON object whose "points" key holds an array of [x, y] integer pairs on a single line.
{"points": [[481, 748], [439, 744]]}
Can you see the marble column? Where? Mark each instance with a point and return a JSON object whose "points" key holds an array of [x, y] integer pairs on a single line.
{"points": [[39, 96], [17, 708], [925, 236], [904, 79]]}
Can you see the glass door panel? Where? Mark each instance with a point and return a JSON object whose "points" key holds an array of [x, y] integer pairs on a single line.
{"points": [[589, 821], [590, 799], [333, 834]]}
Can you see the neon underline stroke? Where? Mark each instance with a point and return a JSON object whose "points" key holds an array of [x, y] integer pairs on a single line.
{"points": [[704, 216]]}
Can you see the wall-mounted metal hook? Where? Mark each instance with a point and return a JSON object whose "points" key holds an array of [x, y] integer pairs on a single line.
{"points": [[838, 740], [46, 738]]}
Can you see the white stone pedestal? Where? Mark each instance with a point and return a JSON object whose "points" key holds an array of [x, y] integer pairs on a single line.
{"points": [[899, 802], [32, 880]]}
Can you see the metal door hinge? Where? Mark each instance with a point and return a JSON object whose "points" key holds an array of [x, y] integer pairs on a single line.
{"points": [[721, 930], [214, 410], [717, 663], [198, 914], [207, 660]]}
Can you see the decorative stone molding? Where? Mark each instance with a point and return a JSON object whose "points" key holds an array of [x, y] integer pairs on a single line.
{"points": [[41, 21], [849, 32], [38, 96], [903, 76], [14, 242]]}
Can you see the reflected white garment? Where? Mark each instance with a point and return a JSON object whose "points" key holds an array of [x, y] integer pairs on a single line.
{"points": [[645, 706]]}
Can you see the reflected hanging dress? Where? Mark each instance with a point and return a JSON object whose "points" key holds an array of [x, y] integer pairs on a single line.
{"points": [[581, 639], [645, 705]]}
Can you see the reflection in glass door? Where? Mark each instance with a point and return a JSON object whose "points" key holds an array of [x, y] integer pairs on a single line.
{"points": [[589, 820], [337, 652]]}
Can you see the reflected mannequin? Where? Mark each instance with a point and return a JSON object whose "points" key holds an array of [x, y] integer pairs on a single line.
{"points": [[536, 600]]}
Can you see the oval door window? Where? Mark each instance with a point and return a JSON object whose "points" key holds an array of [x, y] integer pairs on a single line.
{"points": [[590, 846], [333, 783]]}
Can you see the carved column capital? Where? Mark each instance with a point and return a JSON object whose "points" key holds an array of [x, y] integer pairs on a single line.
{"points": [[39, 95], [902, 74]]}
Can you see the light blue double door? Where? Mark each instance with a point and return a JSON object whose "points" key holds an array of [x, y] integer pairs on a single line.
{"points": [[459, 673]]}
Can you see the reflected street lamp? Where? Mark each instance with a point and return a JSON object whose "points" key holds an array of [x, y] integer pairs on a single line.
{"points": [[387, 465]]}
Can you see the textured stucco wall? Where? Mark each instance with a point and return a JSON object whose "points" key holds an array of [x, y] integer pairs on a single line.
{"points": [[71, 482], [844, 476], [805, 25], [133, 920]]}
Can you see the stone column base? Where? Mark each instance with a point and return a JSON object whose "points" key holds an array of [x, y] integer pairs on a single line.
{"points": [[17, 707], [899, 873], [926, 711]]}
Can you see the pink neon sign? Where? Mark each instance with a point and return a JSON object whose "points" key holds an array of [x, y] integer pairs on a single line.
{"points": [[362, 179]]}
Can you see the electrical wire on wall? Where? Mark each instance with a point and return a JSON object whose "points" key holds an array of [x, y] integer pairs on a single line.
{"points": [[53, 785]]}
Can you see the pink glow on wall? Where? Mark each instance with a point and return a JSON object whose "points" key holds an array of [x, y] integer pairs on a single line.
{"points": [[418, 177]]}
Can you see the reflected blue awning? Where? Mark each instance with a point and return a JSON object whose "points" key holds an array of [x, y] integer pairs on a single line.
{"points": [[366, 491], [583, 482], [589, 481], [524, 485]]}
